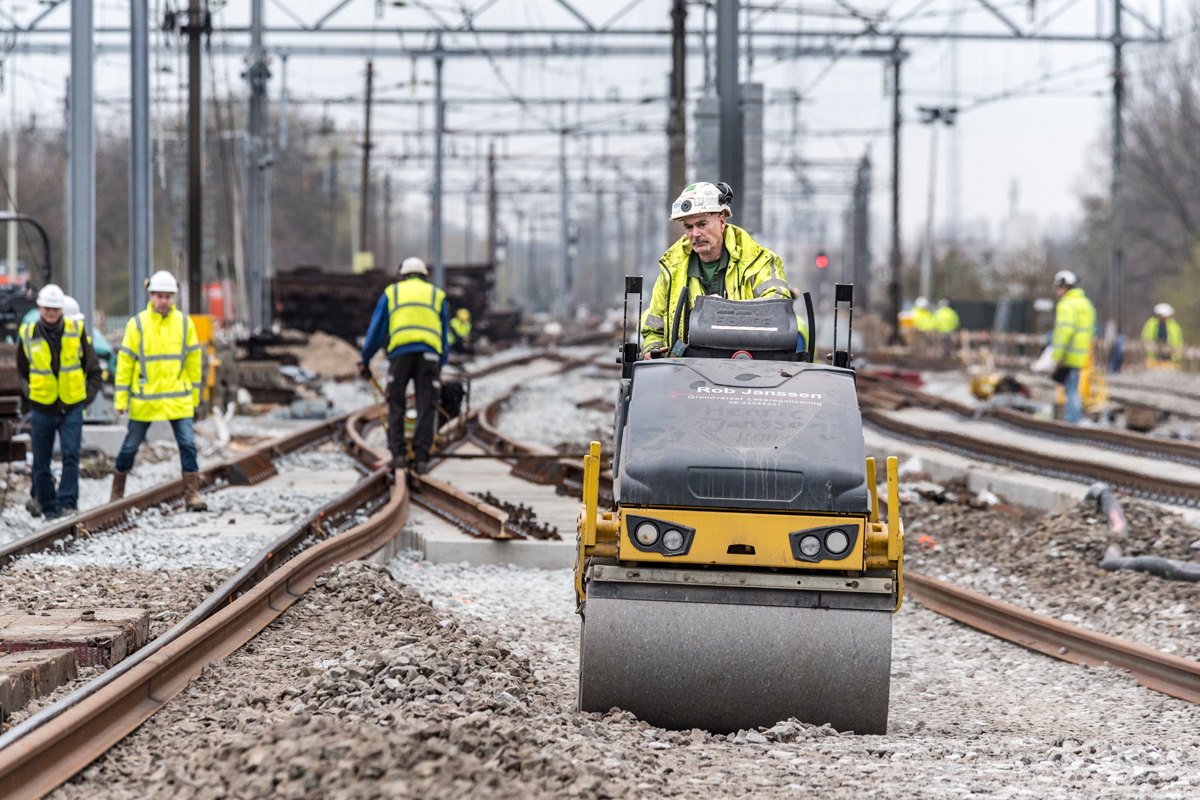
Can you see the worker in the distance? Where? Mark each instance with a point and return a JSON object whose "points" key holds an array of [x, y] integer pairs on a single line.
{"points": [[1163, 339], [945, 322], [60, 375], [159, 378], [922, 316], [412, 318], [713, 258], [1074, 326], [460, 331]]}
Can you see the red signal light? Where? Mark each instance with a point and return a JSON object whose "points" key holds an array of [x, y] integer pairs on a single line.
{"points": [[822, 261]]}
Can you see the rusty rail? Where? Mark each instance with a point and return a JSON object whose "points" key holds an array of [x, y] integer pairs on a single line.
{"points": [[1172, 675]]}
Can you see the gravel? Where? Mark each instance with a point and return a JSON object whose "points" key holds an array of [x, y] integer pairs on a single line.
{"points": [[558, 398], [365, 690]]}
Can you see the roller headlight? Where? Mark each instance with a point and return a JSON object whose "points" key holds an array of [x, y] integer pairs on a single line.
{"points": [[672, 539], [647, 534], [836, 542], [810, 546]]}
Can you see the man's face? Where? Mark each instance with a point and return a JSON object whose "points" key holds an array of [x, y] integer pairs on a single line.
{"points": [[50, 316], [162, 302], [706, 232], [1061, 290]]}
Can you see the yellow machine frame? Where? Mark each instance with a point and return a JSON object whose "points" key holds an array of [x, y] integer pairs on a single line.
{"points": [[604, 534]]}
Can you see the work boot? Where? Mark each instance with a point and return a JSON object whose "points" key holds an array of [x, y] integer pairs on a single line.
{"points": [[421, 468], [33, 508], [118, 486], [191, 492]]}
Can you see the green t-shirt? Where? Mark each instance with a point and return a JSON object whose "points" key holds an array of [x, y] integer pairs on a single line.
{"points": [[712, 273]]}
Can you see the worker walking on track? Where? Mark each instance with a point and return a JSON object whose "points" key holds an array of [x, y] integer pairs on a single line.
{"points": [[713, 258], [158, 378], [60, 375], [413, 319], [1074, 326], [460, 331], [1163, 339]]}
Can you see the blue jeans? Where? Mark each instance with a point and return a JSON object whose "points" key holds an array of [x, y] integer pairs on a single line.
{"points": [[70, 431], [185, 437], [1073, 411]]}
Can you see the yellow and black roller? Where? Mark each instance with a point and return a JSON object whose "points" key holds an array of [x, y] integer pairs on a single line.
{"points": [[743, 576]]}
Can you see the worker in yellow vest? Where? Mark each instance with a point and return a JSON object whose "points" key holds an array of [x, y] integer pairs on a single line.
{"points": [[922, 316], [159, 378], [60, 375], [460, 330], [412, 318], [1163, 339], [1074, 326]]}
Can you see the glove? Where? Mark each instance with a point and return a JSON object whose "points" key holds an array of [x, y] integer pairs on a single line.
{"points": [[364, 370]]}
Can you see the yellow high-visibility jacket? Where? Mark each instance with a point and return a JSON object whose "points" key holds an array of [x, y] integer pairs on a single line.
{"points": [[460, 329], [923, 319], [414, 313], [70, 385], [1174, 337], [945, 320], [753, 272], [158, 367], [1074, 326]]}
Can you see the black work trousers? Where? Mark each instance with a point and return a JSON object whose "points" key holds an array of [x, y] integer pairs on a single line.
{"points": [[422, 369]]}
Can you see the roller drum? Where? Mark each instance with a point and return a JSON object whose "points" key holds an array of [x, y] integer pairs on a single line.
{"points": [[725, 667]]}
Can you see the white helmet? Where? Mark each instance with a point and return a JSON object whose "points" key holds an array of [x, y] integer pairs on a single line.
{"points": [[162, 281], [943, 303], [1164, 310], [51, 296], [71, 309], [1065, 278], [412, 265], [921, 302], [703, 198]]}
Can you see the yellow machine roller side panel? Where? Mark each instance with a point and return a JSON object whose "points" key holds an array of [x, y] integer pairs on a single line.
{"points": [[738, 538]]}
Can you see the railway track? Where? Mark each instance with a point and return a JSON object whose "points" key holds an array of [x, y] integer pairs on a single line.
{"points": [[879, 401], [50, 746]]}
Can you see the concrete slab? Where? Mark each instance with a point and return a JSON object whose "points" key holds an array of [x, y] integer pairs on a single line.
{"points": [[306, 480], [32, 674], [106, 638], [444, 543]]}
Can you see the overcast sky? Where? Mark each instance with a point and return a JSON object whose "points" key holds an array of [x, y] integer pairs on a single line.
{"points": [[1048, 135]]}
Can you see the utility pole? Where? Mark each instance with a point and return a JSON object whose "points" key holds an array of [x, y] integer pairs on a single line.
{"points": [[81, 171], [439, 125], [729, 95], [258, 176], [861, 276], [894, 286], [197, 24], [677, 123], [141, 206], [364, 206], [491, 205], [386, 223], [931, 116], [563, 288], [12, 167], [283, 103], [1117, 278]]}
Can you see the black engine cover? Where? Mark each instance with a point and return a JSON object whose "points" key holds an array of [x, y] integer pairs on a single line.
{"points": [[720, 433]]}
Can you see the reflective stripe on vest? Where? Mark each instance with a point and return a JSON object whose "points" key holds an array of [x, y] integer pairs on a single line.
{"points": [[414, 314], [70, 384]]}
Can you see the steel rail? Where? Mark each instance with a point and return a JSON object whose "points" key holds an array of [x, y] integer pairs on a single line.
{"points": [[45, 755], [893, 395], [1171, 675], [1160, 489]]}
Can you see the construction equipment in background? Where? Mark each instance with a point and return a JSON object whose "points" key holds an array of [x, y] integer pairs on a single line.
{"points": [[18, 292], [743, 575]]}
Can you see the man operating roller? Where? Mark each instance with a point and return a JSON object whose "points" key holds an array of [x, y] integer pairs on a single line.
{"points": [[713, 257]]}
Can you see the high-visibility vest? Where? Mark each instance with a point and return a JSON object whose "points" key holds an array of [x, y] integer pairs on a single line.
{"points": [[1074, 325], [923, 319], [460, 329], [414, 314], [158, 367], [753, 272], [70, 385]]}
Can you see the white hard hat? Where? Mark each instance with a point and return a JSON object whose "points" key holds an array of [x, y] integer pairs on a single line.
{"points": [[71, 309], [411, 265], [943, 303], [1164, 310], [1065, 278], [162, 281], [921, 302], [51, 296], [703, 198]]}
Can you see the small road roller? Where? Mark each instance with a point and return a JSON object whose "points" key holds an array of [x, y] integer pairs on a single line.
{"points": [[742, 575]]}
